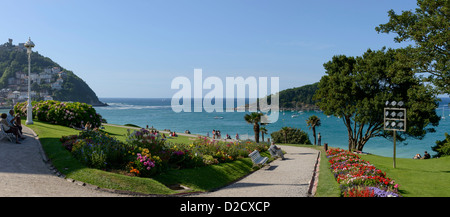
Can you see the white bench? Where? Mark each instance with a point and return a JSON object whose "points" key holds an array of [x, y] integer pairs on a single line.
{"points": [[257, 158], [4, 134]]}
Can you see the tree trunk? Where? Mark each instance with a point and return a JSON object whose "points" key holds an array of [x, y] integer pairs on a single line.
{"points": [[256, 129], [314, 134]]}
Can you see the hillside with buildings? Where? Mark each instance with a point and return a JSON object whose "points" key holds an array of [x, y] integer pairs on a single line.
{"points": [[49, 81]]}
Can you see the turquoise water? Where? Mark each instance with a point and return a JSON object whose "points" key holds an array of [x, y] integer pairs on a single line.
{"points": [[158, 113]]}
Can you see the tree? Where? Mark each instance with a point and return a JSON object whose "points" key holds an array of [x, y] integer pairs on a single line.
{"points": [[442, 147], [263, 131], [429, 28], [285, 131], [313, 122], [356, 89], [254, 118]]}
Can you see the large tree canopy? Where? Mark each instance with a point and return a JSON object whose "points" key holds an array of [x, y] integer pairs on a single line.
{"points": [[429, 28], [355, 89]]}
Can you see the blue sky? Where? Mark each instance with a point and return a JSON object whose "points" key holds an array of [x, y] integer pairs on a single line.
{"points": [[136, 48]]}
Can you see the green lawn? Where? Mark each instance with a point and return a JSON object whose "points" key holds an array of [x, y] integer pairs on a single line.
{"points": [[198, 179], [417, 178], [119, 132]]}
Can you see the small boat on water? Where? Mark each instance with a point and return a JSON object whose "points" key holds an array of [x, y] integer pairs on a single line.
{"points": [[294, 116], [218, 117]]}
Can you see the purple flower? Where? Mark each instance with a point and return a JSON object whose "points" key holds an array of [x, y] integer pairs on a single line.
{"points": [[382, 193]]}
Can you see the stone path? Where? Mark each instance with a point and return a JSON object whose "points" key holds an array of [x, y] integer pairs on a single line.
{"points": [[23, 173], [292, 177]]}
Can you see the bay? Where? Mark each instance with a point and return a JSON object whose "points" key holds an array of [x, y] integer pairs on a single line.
{"points": [[157, 112]]}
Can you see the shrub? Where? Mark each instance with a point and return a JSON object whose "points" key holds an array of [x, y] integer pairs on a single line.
{"points": [[97, 149], [144, 138], [294, 136], [442, 147], [70, 114]]}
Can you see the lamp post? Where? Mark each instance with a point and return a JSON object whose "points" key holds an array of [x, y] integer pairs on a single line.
{"points": [[394, 119], [29, 45]]}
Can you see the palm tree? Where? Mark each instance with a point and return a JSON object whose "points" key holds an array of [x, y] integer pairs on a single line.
{"points": [[254, 118], [263, 131], [285, 131], [313, 122]]}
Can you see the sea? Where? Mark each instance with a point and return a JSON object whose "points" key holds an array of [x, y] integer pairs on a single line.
{"points": [[158, 113]]}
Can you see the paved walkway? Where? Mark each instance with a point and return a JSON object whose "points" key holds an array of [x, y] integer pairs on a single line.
{"points": [[292, 177], [25, 173]]}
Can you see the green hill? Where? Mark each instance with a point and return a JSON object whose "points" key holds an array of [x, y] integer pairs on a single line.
{"points": [[299, 98], [49, 80]]}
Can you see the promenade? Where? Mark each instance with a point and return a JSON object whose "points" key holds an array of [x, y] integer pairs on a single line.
{"points": [[25, 172], [291, 177]]}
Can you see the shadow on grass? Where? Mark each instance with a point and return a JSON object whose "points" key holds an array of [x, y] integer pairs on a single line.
{"points": [[207, 178], [61, 158]]}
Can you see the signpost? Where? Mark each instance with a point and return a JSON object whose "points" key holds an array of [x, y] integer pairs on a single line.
{"points": [[394, 119]]}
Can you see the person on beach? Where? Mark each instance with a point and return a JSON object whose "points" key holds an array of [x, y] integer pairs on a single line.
{"points": [[214, 134], [8, 128], [276, 151], [237, 136], [319, 139]]}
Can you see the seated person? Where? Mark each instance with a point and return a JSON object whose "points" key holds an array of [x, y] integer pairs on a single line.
{"points": [[426, 155], [8, 128], [417, 156], [275, 151], [88, 126], [14, 120]]}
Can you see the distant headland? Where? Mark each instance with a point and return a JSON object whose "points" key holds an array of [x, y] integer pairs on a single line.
{"points": [[49, 81]]}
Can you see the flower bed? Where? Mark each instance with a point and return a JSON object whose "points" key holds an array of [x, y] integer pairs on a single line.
{"points": [[145, 153], [97, 149], [71, 114], [358, 178]]}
